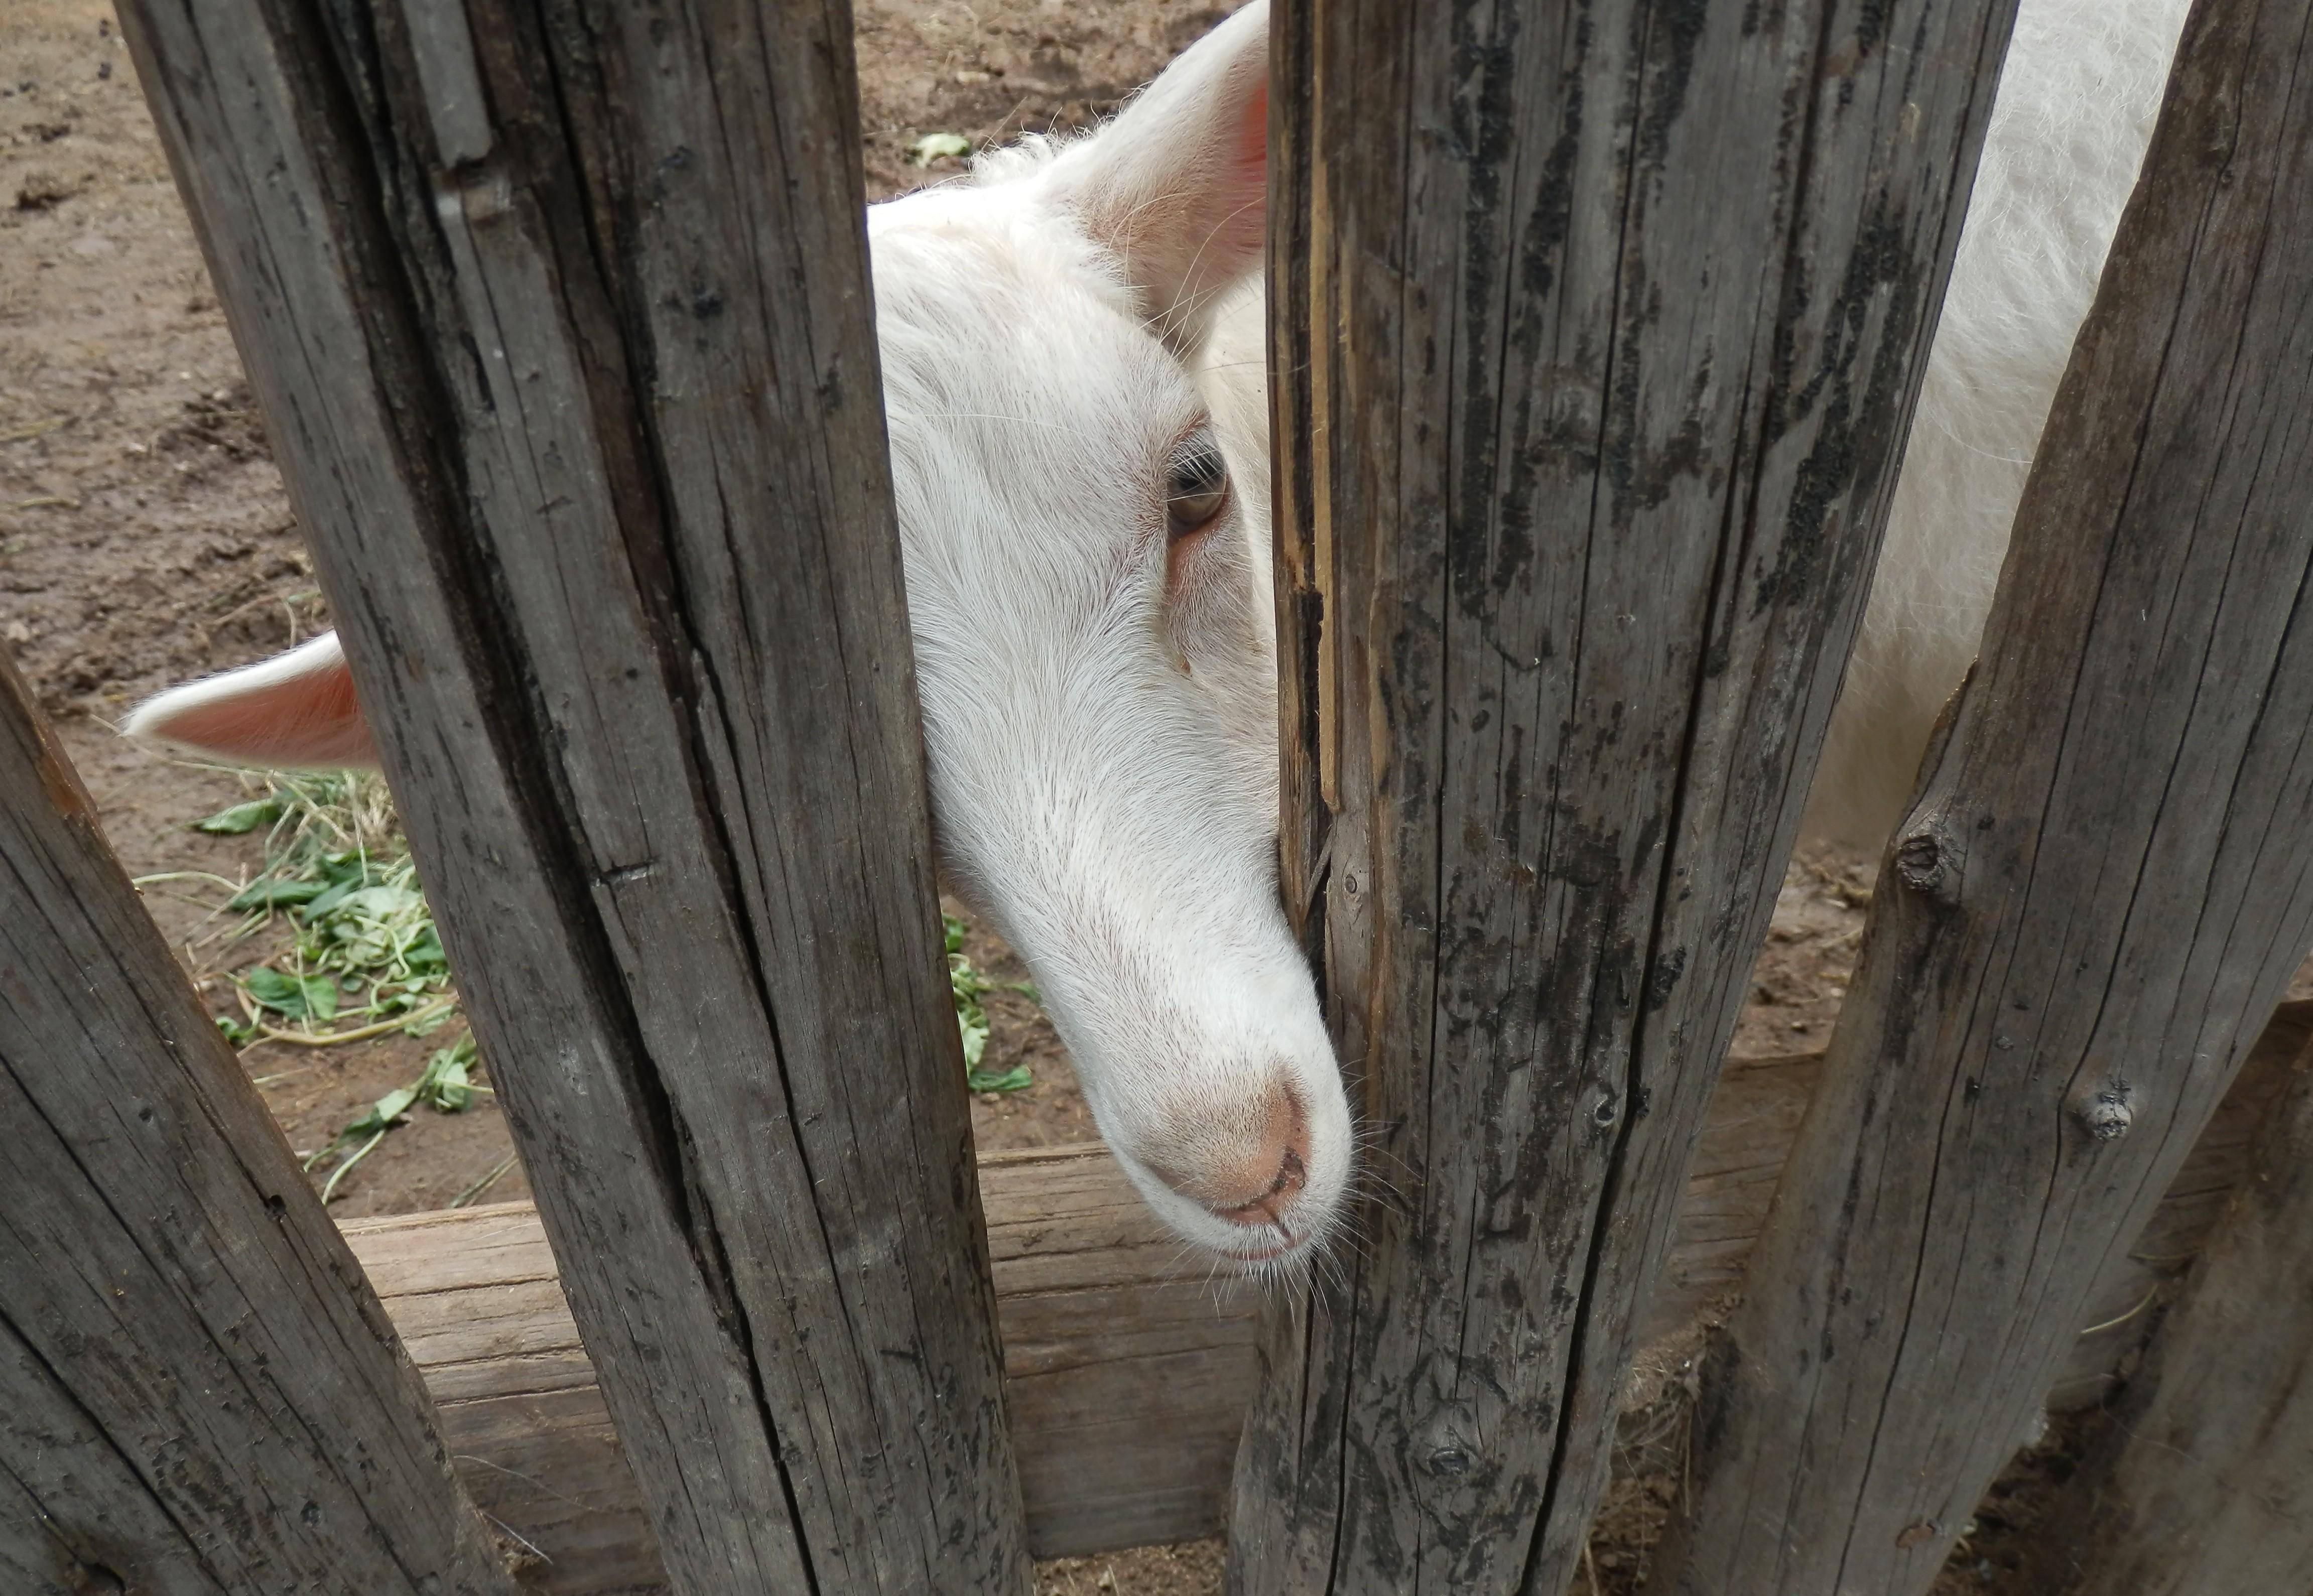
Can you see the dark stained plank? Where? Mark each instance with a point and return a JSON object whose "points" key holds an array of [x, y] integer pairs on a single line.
{"points": [[198, 1394], [2099, 892], [557, 313], [1596, 334]]}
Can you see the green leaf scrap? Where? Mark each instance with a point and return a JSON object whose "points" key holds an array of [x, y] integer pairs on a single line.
{"points": [[1015, 1079], [445, 1086], [299, 997], [968, 986], [240, 818]]}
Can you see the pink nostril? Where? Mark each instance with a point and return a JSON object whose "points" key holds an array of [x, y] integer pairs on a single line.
{"points": [[1292, 1175], [1243, 1166], [1276, 1166]]}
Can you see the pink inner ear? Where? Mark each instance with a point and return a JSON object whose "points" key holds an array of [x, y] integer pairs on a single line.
{"points": [[1240, 230], [1253, 133], [310, 719]]}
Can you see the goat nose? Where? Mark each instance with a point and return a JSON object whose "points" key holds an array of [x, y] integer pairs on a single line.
{"points": [[1292, 1174], [1267, 1168]]}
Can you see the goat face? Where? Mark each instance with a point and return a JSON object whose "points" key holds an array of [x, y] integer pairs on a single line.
{"points": [[1087, 587], [1088, 568]]}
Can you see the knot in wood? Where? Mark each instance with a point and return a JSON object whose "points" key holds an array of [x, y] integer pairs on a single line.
{"points": [[1920, 861], [1449, 1459], [2106, 1116]]}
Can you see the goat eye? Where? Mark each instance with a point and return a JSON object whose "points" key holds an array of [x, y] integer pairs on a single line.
{"points": [[1196, 487]]}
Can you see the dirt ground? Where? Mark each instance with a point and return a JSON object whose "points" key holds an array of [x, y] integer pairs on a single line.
{"points": [[145, 538]]}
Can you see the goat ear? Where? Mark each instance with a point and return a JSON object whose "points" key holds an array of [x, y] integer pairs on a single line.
{"points": [[1177, 185], [295, 710]]}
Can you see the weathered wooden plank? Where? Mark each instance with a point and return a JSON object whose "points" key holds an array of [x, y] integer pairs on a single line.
{"points": [[546, 1468], [2099, 891], [1597, 331], [198, 1393], [1131, 1376], [1127, 1372], [2203, 1486], [2135, 1278], [557, 313], [1754, 1119]]}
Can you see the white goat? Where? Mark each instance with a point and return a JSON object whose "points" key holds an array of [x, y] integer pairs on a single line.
{"points": [[1089, 591]]}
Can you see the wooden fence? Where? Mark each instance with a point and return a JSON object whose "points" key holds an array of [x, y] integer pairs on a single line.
{"points": [[1609, 388], [1597, 333], [2097, 896], [661, 770], [1126, 1380], [201, 1393]]}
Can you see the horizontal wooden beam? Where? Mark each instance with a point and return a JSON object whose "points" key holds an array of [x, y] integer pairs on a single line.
{"points": [[1127, 1373]]}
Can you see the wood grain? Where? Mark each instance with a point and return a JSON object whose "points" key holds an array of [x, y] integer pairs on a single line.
{"points": [[2096, 898], [2203, 1484], [1596, 332], [1127, 1378], [557, 313], [197, 1392]]}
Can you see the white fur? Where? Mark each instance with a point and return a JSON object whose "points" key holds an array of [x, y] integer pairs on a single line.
{"points": [[1102, 751], [1101, 729], [2077, 103]]}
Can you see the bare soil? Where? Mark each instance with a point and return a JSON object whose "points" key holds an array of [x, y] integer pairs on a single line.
{"points": [[146, 538]]}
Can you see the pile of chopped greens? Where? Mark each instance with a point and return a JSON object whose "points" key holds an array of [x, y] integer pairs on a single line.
{"points": [[366, 957]]}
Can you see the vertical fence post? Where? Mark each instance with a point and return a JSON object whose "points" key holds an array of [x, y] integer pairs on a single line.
{"points": [[1597, 331], [2202, 1485], [198, 1392], [558, 310], [2099, 895]]}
